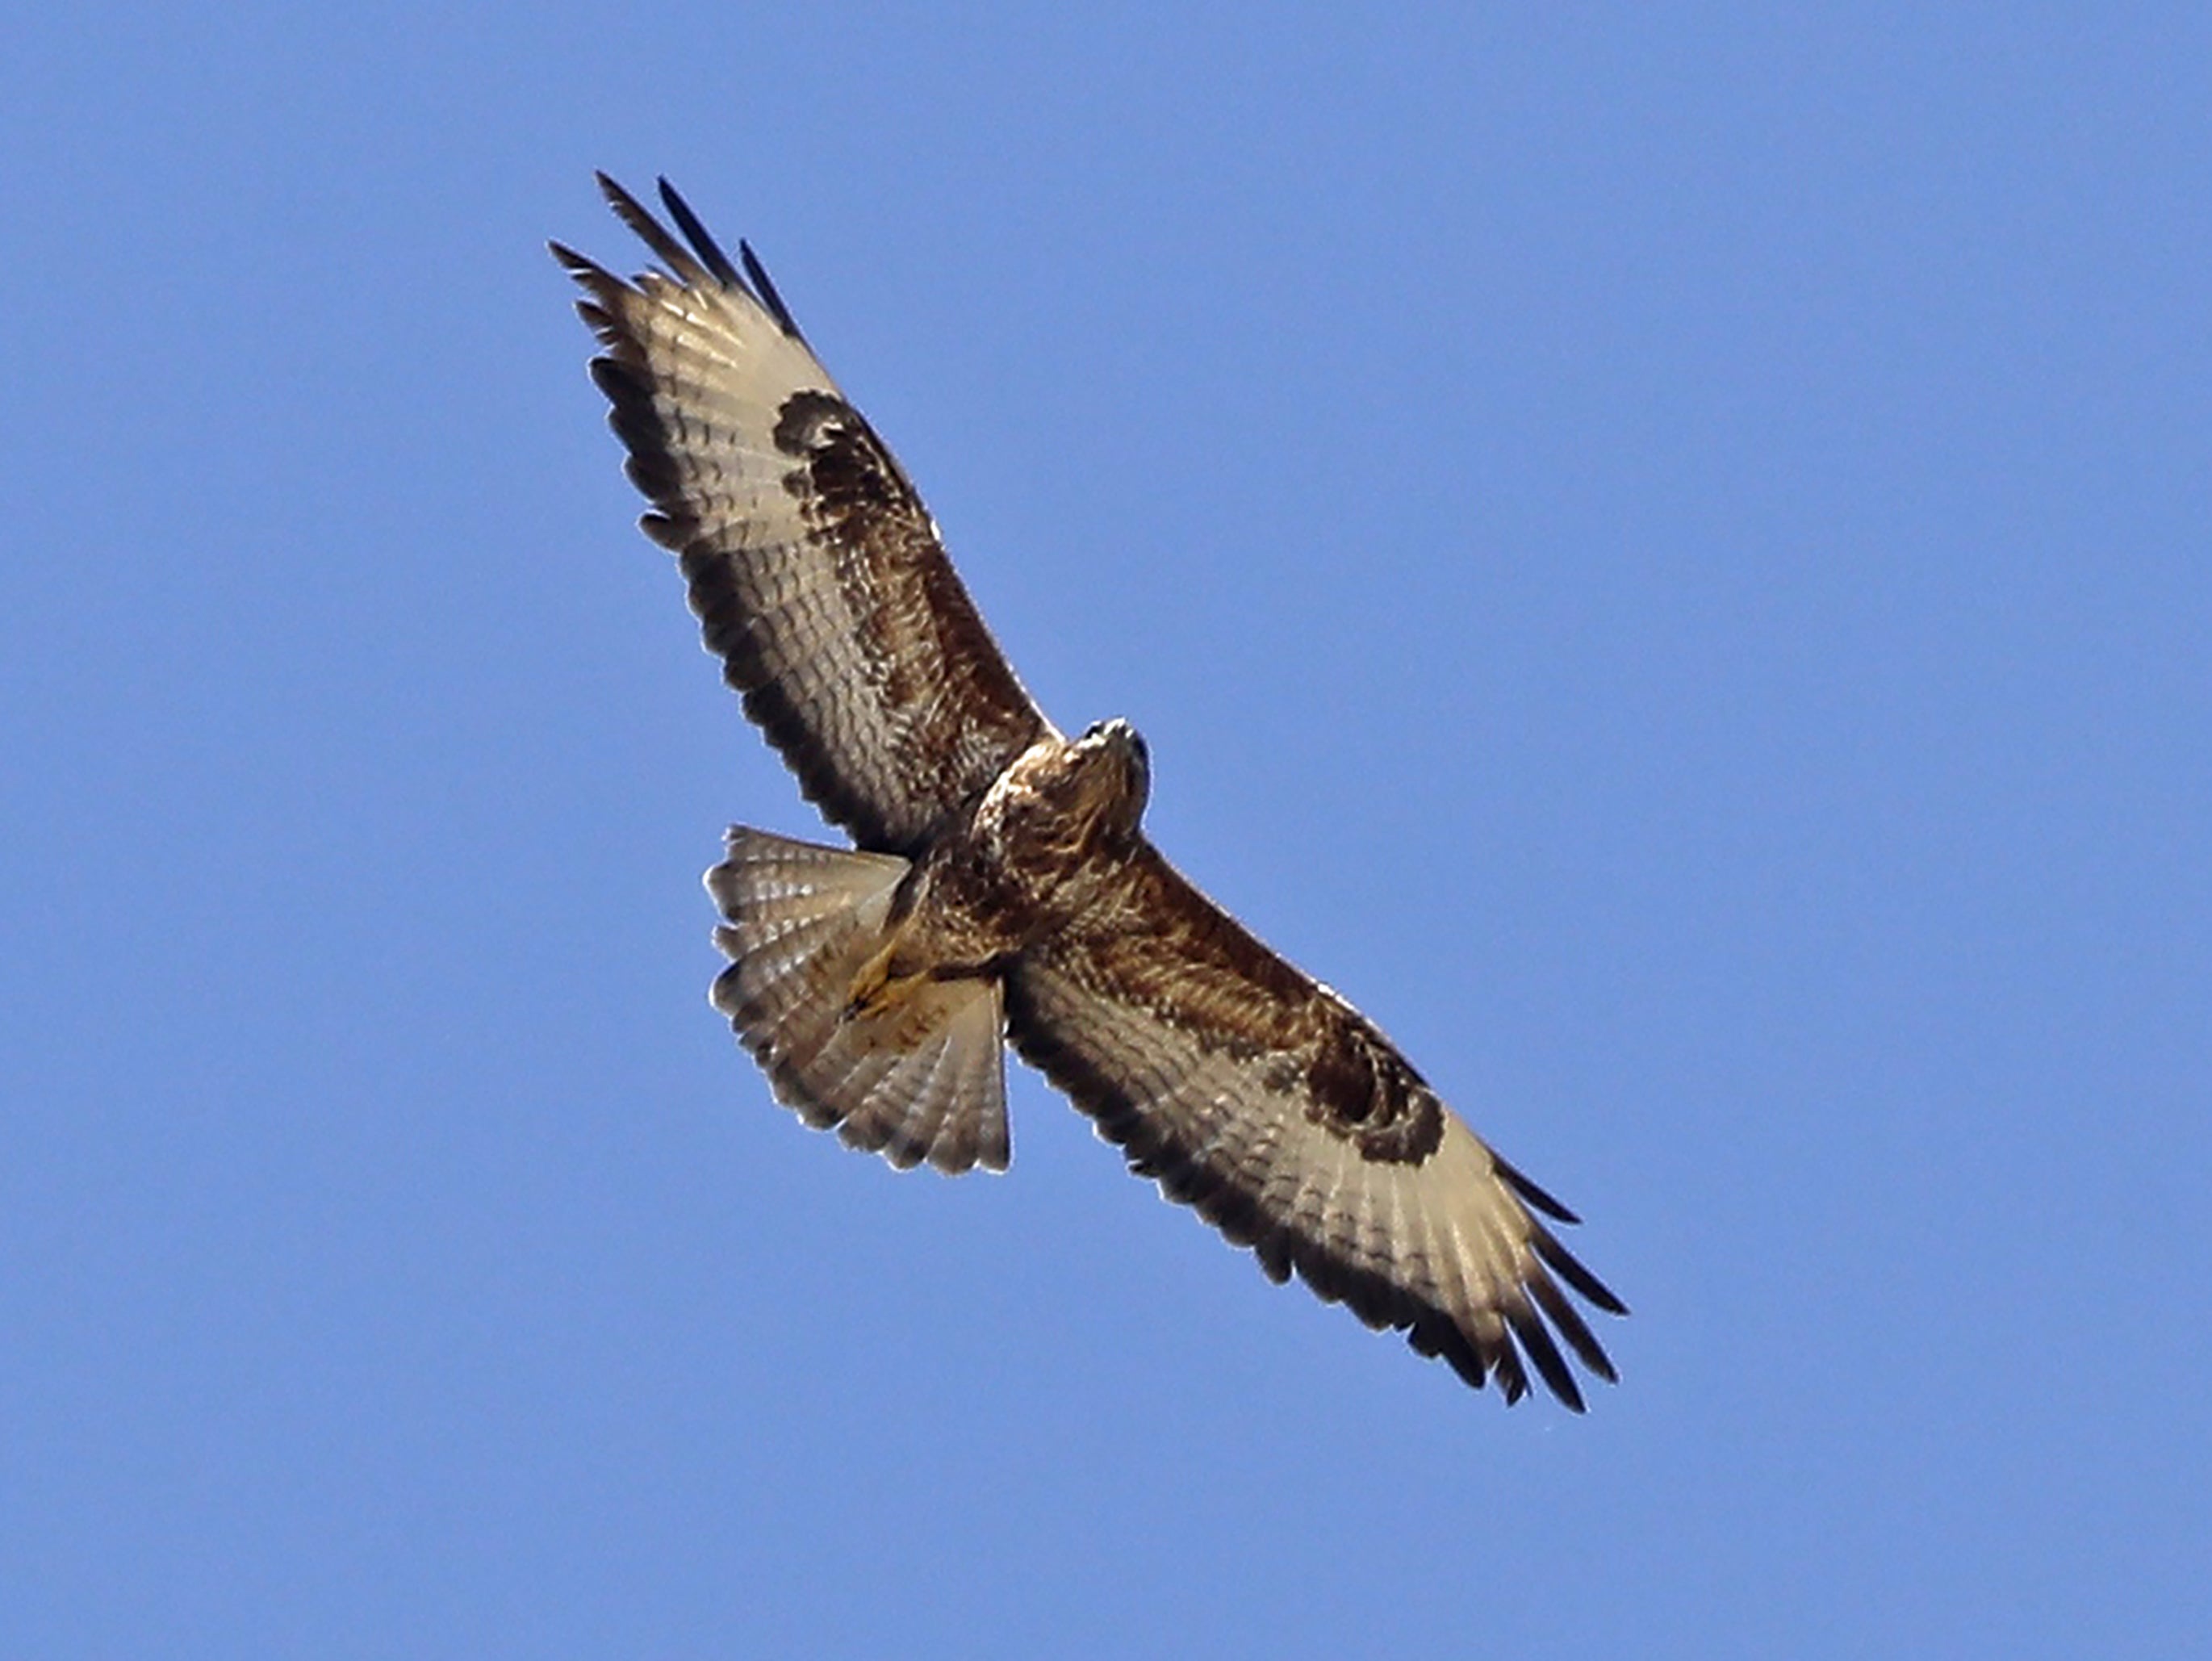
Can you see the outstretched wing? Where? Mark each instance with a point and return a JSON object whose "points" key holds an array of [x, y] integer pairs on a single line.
{"points": [[816, 572], [1297, 1128]]}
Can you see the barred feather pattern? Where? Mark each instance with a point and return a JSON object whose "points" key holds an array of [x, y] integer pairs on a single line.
{"points": [[924, 1080]]}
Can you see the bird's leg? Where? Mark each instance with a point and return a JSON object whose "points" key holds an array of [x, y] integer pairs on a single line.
{"points": [[876, 989]]}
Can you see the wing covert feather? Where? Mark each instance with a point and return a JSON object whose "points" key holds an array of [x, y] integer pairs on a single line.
{"points": [[817, 575], [1288, 1121]]}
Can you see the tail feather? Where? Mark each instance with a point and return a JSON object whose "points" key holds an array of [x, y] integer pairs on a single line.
{"points": [[924, 1079]]}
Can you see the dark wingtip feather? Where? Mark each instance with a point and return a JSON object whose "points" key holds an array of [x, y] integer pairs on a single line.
{"points": [[1571, 1326], [766, 289], [1569, 1267], [603, 291], [702, 242], [634, 214], [1535, 1343], [1531, 1193], [1505, 1367]]}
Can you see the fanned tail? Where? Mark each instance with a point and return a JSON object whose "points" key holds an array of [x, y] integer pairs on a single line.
{"points": [[924, 1079]]}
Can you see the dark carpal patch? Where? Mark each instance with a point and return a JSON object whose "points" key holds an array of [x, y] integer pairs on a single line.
{"points": [[846, 471], [1364, 1094]]}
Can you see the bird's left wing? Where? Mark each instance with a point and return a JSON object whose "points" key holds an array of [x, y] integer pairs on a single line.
{"points": [[1297, 1128], [817, 574]]}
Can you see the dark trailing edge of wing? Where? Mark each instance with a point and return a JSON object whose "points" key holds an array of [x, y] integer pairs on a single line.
{"points": [[618, 374], [722, 612], [1152, 1152]]}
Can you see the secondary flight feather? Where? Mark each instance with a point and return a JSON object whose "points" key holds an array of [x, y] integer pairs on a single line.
{"points": [[1001, 888]]}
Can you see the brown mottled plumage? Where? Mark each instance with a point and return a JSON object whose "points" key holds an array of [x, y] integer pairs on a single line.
{"points": [[1002, 887]]}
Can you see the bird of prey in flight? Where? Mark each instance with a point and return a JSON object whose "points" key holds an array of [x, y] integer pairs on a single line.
{"points": [[1001, 889]]}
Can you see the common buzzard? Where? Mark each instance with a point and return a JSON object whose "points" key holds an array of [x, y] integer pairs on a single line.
{"points": [[1001, 887]]}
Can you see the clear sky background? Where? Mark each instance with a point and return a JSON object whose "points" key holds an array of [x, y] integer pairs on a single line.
{"points": [[1667, 551]]}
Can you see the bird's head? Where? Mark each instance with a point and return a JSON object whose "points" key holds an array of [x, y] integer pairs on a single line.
{"points": [[1110, 778]]}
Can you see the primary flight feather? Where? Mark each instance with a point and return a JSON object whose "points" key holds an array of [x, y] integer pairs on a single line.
{"points": [[1001, 888]]}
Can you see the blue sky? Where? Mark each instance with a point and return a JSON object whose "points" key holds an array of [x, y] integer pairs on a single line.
{"points": [[1667, 552]]}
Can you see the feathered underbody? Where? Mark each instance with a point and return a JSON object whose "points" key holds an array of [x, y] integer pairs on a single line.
{"points": [[1001, 888], [1053, 842]]}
